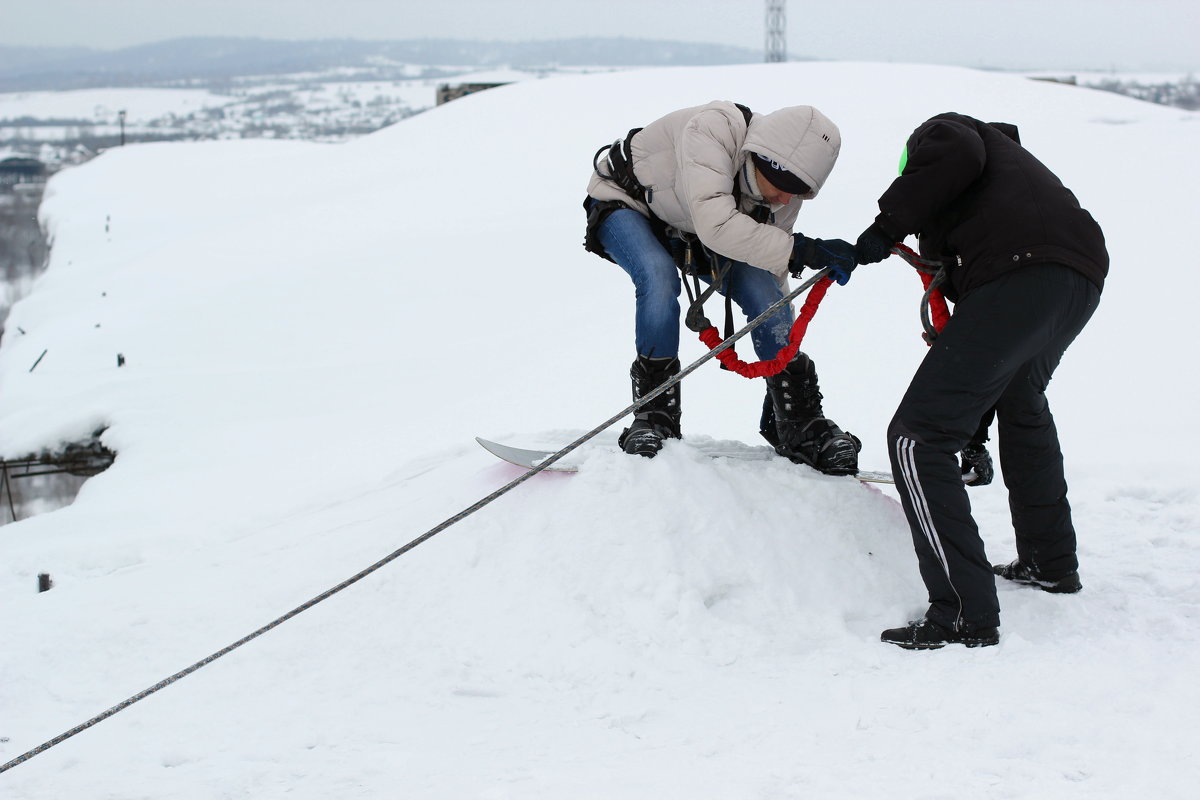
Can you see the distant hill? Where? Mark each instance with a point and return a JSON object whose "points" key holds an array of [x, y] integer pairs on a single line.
{"points": [[218, 58]]}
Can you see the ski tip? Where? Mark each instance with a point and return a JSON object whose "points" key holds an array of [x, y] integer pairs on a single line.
{"points": [[529, 459]]}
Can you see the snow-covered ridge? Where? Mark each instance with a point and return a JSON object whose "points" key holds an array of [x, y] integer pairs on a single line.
{"points": [[314, 333]]}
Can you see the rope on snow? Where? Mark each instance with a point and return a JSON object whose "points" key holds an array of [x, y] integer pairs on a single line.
{"points": [[466, 512]]}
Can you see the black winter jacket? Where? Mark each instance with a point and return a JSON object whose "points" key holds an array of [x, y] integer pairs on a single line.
{"points": [[985, 205]]}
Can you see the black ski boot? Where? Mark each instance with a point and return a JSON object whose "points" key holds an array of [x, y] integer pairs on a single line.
{"points": [[794, 423], [658, 419]]}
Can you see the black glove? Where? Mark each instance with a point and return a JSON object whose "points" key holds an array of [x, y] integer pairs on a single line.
{"points": [[977, 469], [837, 254], [873, 245]]}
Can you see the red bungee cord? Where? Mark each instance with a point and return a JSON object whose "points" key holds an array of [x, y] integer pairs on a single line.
{"points": [[939, 313], [765, 369]]}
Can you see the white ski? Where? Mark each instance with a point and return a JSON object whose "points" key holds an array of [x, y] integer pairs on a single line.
{"points": [[529, 459]]}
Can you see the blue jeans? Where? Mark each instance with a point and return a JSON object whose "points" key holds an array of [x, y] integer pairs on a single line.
{"points": [[630, 241]]}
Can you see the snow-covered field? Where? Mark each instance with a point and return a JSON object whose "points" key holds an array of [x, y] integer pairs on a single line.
{"points": [[313, 334]]}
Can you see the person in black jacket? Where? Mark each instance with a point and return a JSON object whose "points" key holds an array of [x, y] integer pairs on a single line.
{"points": [[1025, 267]]}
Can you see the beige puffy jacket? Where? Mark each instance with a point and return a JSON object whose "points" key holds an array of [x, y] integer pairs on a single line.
{"points": [[688, 162]]}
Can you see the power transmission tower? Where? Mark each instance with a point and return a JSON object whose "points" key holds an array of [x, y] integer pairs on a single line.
{"points": [[776, 31]]}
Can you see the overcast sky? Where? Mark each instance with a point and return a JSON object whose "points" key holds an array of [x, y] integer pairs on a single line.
{"points": [[1019, 34]]}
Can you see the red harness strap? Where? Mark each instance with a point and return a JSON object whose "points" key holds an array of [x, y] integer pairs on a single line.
{"points": [[763, 369]]}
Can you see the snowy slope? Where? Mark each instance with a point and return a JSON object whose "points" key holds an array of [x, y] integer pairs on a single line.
{"points": [[312, 336]]}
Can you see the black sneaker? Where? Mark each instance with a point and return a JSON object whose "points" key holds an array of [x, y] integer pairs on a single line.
{"points": [[925, 634], [1027, 575]]}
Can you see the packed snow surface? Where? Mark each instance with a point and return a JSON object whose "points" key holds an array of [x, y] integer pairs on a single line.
{"points": [[312, 335]]}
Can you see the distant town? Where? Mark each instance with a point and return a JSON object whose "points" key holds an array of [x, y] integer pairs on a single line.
{"points": [[62, 128]]}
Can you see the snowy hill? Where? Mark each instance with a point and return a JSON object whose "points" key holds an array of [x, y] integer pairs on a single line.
{"points": [[312, 335]]}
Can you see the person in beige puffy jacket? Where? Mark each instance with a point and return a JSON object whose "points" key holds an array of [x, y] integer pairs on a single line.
{"points": [[714, 191]]}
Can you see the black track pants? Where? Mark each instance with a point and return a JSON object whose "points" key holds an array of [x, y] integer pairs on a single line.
{"points": [[999, 349]]}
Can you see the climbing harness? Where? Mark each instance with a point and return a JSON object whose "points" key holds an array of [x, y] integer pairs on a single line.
{"points": [[614, 162], [618, 162]]}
